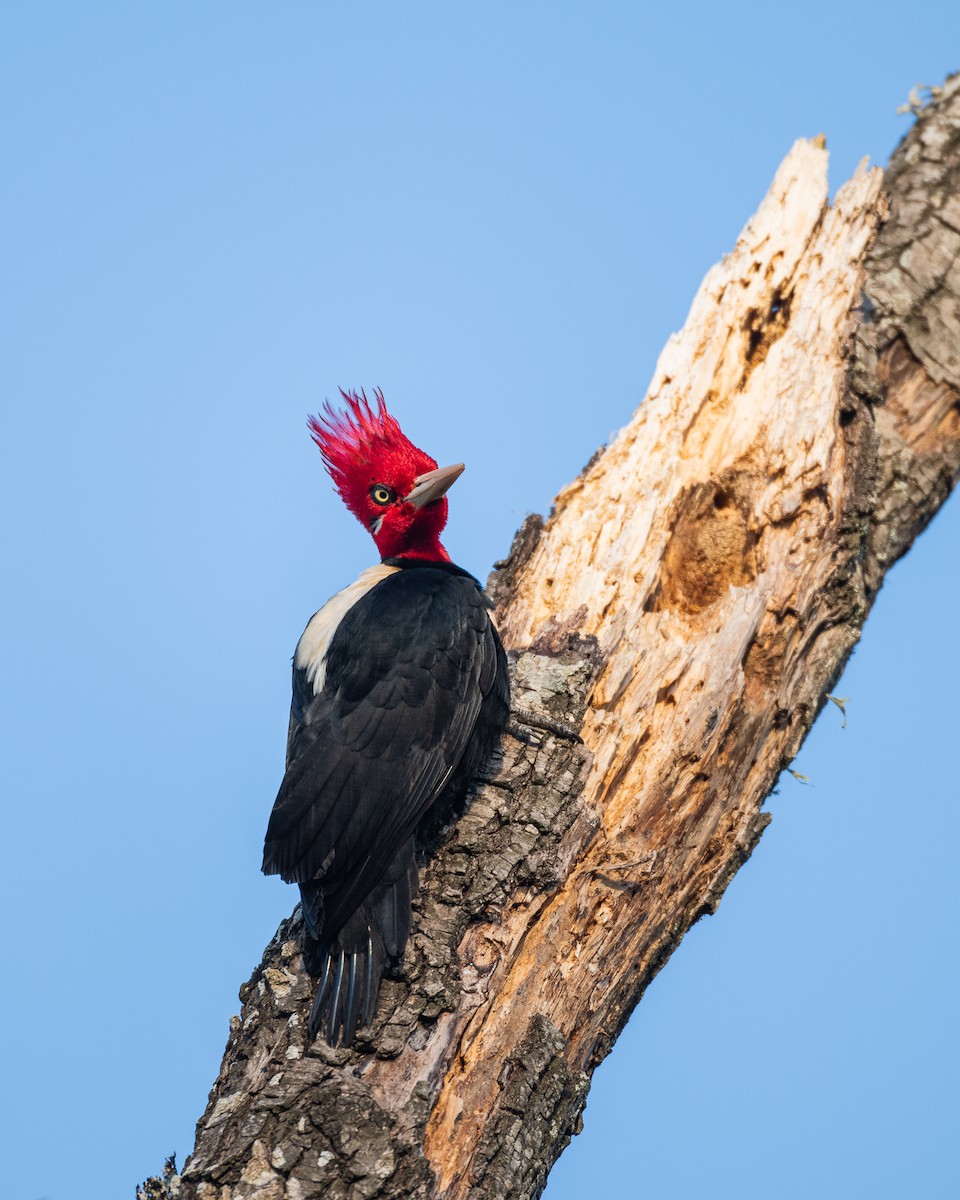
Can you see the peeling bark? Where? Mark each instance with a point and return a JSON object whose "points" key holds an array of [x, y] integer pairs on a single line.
{"points": [[687, 605]]}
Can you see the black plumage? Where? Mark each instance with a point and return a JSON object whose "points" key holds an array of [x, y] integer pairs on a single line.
{"points": [[414, 697]]}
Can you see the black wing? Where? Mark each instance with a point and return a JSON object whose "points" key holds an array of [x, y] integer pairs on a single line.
{"points": [[408, 670]]}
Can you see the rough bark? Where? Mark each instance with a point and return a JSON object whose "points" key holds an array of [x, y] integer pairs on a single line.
{"points": [[687, 605]]}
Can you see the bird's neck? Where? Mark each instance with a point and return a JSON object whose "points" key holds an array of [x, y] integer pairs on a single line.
{"points": [[419, 539], [428, 550]]}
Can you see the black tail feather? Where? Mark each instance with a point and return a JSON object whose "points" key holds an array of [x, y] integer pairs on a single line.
{"points": [[348, 983], [371, 988], [333, 1008], [350, 966], [351, 1010], [392, 914]]}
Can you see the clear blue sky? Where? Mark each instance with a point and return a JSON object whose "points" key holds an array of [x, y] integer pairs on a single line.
{"points": [[213, 214]]}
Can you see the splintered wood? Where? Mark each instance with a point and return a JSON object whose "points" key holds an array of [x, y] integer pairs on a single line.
{"points": [[685, 551]]}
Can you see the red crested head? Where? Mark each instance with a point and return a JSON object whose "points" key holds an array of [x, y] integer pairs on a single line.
{"points": [[389, 485]]}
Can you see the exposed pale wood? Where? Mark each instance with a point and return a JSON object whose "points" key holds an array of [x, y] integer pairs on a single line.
{"points": [[685, 551], [688, 603]]}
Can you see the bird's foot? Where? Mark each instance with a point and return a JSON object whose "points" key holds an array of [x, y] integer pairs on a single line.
{"points": [[527, 720]]}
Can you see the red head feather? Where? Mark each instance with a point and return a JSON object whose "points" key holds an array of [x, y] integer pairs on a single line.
{"points": [[363, 447]]}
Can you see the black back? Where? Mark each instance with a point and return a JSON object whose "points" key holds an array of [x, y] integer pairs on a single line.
{"points": [[414, 700]]}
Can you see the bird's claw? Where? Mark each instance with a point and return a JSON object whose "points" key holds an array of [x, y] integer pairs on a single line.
{"points": [[531, 720]]}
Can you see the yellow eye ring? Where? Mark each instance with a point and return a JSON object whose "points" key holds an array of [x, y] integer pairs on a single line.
{"points": [[382, 495]]}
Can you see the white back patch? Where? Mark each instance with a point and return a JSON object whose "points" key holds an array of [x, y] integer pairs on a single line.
{"points": [[311, 652]]}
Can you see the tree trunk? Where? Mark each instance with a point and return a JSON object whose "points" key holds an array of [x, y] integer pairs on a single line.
{"points": [[687, 605]]}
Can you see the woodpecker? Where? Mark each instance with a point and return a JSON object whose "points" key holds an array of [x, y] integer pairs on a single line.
{"points": [[400, 694]]}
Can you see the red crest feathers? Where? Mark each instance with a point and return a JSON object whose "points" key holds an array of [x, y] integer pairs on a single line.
{"points": [[363, 445]]}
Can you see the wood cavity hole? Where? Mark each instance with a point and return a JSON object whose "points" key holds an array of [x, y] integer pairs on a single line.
{"points": [[754, 339], [763, 329]]}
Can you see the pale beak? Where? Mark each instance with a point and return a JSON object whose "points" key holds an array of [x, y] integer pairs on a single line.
{"points": [[433, 484]]}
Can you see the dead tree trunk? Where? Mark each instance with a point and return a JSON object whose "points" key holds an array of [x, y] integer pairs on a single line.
{"points": [[687, 605]]}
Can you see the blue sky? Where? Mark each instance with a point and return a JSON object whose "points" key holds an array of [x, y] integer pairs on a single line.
{"points": [[213, 215]]}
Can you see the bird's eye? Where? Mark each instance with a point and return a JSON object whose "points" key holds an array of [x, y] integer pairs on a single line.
{"points": [[382, 495]]}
